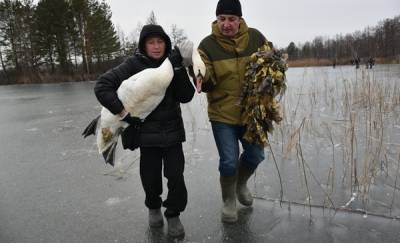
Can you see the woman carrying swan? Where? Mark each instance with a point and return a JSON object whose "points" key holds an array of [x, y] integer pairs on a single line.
{"points": [[161, 130]]}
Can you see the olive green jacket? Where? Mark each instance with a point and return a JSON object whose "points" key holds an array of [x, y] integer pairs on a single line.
{"points": [[226, 60]]}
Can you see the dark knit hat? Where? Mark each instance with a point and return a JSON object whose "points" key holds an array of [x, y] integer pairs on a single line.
{"points": [[153, 30], [230, 7]]}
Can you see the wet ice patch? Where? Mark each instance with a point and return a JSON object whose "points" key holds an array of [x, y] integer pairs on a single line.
{"points": [[62, 129], [28, 98], [112, 201], [33, 129], [354, 195], [77, 152], [197, 154]]}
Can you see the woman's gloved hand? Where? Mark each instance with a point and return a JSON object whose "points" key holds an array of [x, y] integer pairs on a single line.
{"points": [[131, 120], [186, 50], [176, 59]]}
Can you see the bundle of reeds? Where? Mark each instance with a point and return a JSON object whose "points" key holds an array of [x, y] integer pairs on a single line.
{"points": [[264, 80]]}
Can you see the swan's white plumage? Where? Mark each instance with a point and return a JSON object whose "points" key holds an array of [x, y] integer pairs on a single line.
{"points": [[140, 94]]}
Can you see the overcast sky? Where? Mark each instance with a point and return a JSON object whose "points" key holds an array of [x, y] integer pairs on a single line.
{"points": [[281, 21]]}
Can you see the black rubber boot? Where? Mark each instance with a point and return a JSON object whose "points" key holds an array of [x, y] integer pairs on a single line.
{"points": [[175, 228], [155, 218]]}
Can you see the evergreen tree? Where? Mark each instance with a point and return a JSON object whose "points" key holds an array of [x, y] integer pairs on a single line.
{"points": [[151, 19], [52, 19], [104, 41], [17, 51], [292, 51], [9, 35], [80, 12], [7, 30]]}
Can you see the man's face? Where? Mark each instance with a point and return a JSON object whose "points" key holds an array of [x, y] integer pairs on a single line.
{"points": [[228, 24], [155, 47]]}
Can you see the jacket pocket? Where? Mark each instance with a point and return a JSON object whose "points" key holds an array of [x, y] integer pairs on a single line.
{"points": [[213, 99]]}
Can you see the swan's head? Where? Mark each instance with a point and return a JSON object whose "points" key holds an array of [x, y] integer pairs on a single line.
{"points": [[199, 67], [191, 57]]}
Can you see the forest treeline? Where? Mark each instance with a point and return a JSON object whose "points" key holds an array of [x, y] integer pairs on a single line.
{"points": [[55, 38], [62, 40], [381, 42], [73, 40]]}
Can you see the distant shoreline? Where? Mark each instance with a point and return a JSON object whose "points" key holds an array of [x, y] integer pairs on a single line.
{"points": [[314, 62], [60, 78]]}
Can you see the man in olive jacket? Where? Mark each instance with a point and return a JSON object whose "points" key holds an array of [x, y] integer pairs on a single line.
{"points": [[226, 52]]}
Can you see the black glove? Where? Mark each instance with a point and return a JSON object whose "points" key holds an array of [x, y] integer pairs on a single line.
{"points": [[132, 121], [175, 58], [186, 49]]}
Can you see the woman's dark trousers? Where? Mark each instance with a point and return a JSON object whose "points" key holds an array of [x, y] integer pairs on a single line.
{"points": [[151, 161]]}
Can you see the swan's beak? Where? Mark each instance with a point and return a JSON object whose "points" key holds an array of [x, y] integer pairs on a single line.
{"points": [[199, 81]]}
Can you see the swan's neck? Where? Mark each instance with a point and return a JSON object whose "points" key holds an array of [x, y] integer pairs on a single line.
{"points": [[198, 64], [166, 70], [166, 65]]}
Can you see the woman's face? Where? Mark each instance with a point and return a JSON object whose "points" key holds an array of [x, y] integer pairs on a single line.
{"points": [[155, 47], [228, 25]]}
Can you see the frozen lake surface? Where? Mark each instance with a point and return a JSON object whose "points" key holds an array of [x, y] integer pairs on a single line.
{"points": [[338, 146]]}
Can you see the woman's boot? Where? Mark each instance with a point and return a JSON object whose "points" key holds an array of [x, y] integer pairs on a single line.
{"points": [[155, 218], [175, 228]]}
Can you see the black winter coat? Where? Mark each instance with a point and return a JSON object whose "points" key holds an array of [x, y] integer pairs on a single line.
{"points": [[164, 126]]}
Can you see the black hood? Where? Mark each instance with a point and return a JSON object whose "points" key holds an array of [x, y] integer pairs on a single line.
{"points": [[151, 30]]}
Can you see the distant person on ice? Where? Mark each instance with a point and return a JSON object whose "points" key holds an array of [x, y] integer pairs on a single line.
{"points": [[161, 134], [225, 52], [370, 62], [357, 62]]}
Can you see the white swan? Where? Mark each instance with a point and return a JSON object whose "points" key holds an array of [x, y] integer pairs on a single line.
{"points": [[140, 95], [199, 68], [193, 59]]}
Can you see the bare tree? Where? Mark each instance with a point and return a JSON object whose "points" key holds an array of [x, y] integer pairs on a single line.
{"points": [[380, 41], [177, 35]]}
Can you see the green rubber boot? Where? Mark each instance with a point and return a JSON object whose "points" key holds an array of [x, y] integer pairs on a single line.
{"points": [[228, 189], [243, 193]]}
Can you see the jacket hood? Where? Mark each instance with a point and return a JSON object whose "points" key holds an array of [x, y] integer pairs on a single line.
{"points": [[152, 30]]}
